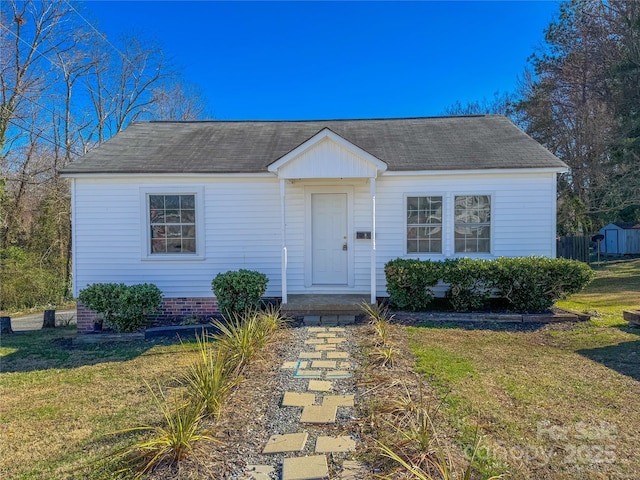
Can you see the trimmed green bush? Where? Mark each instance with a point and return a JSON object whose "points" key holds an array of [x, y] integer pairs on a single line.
{"points": [[125, 308], [534, 284], [239, 291], [409, 282], [469, 283], [103, 298], [528, 284]]}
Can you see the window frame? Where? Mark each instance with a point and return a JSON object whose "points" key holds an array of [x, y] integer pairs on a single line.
{"points": [[492, 198], [145, 194], [443, 222]]}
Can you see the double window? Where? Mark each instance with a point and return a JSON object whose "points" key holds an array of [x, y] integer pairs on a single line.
{"points": [[172, 223], [471, 224]]}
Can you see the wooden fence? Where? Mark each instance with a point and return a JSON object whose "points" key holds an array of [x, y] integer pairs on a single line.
{"points": [[575, 248]]}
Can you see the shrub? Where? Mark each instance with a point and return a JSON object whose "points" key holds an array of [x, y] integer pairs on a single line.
{"points": [[124, 307], [534, 284], [409, 282], [136, 302], [469, 283], [103, 298], [239, 291]]}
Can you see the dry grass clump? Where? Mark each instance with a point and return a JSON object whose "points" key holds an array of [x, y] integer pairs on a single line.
{"points": [[406, 438], [191, 417]]}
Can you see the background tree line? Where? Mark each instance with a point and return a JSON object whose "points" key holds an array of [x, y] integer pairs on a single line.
{"points": [[580, 97], [64, 89]]}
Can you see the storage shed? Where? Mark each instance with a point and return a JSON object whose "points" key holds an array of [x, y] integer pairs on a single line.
{"points": [[621, 238]]}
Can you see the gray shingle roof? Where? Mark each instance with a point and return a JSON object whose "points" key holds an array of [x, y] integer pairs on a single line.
{"points": [[405, 144]]}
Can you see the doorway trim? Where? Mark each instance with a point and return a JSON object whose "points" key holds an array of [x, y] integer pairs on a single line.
{"points": [[308, 238]]}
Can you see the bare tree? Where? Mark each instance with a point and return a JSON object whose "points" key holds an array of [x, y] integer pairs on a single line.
{"points": [[65, 88]]}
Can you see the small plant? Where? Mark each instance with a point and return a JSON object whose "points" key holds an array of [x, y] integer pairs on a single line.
{"points": [[385, 355], [239, 291], [210, 378], [379, 318], [240, 337], [271, 320], [169, 443]]}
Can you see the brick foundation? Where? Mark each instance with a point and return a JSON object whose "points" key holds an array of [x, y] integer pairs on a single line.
{"points": [[171, 311]]}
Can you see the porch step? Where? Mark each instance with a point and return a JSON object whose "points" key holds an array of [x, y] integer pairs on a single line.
{"points": [[328, 320], [319, 305]]}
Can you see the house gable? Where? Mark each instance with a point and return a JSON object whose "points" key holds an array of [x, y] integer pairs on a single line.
{"points": [[327, 155]]}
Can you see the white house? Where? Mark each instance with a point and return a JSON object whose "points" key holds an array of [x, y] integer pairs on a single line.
{"points": [[318, 206]]}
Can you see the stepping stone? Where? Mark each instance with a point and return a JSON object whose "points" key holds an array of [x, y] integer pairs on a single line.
{"points": [[258, 472], [314, 341], [289, 442], [336, 329], [323, 348], [352, 470], [305, 468], [316, 329], [295, 399], [302, 373], [323, 364], [310, 355], [320, 386], [336, 340], [325, 335], [344, 366], [338, 400], [336, 355], [319, 414], [337, 374], [294, 365], [335, 444]]}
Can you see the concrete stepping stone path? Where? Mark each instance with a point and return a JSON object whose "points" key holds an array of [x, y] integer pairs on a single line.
{"points": [[321, 363]]}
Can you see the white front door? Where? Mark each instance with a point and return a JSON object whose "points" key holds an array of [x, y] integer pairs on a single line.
{"points": [[329, 235]]}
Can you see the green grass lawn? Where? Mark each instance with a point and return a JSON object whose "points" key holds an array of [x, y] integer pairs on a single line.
{"points": [[561, 401], [59, 402]]}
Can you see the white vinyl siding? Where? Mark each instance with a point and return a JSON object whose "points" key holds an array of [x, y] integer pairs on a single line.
{"points": [[523, 219], [240, 226], [110, 225]]}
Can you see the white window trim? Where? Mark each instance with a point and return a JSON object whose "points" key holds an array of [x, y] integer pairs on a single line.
{"points": [[452, 200], [444, 224], [145, 234]]}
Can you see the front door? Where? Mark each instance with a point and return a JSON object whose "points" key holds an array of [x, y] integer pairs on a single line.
{"points": [[329, 246]]}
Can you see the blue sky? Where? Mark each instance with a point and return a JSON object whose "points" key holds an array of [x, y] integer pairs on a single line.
{"points": [[322, 60]]}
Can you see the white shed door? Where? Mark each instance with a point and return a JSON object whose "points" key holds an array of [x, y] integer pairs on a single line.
{"points": [[329, 255], [611, 239]]}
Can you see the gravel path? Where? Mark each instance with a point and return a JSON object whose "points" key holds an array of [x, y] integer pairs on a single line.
{"points": [[286, 420]]}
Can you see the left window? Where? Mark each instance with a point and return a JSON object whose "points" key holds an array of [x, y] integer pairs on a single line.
{"points": [[172, 223]]}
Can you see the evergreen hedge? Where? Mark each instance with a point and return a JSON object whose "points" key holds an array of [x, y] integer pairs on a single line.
{"points": [[526, 284]]}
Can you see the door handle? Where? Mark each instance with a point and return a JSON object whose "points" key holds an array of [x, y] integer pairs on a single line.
{"points": [[344, 246]]}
